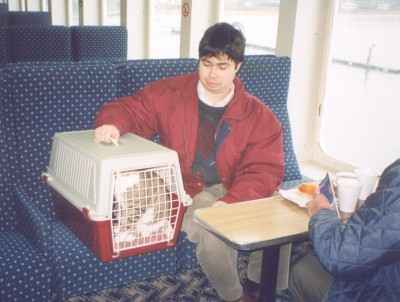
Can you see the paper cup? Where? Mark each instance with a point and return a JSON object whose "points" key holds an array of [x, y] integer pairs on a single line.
{"points": [[348, 191], [368, 180]]}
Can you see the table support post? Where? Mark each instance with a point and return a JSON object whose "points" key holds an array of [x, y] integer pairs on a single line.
{"points": [[269, 274]]}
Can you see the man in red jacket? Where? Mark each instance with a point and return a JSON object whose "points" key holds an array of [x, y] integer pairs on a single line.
{"points": [[228, 142]]}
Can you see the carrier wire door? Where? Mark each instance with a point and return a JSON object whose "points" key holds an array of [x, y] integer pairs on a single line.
{"points": [[145, 207]]}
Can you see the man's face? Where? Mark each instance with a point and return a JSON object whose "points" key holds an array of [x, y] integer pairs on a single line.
{"points": [[217, 73]]}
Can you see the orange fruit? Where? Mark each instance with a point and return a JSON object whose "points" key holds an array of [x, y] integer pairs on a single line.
{"points": [[308, 188]]}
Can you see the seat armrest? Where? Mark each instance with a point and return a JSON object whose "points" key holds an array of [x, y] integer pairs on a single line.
{"points": [[32, 224]]}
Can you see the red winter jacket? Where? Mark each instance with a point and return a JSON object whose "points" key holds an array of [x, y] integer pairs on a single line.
{"points": [[250, 160]]}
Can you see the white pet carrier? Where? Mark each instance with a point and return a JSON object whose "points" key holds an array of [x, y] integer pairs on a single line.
{"points": [[120, 200]]}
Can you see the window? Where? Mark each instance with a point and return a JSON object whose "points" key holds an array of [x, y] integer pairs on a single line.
{"points": [[75, 13], [113, 12], [44, 5], [361, 109], [165, 29], [258, 20], [13, 5]]}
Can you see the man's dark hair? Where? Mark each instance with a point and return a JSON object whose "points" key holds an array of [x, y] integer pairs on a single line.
{"points": [[223, 38]]}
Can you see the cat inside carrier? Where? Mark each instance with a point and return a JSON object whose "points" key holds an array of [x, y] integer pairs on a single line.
{"points": [[119, 200]]}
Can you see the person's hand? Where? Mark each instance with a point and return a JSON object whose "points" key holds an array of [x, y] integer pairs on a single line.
{"points": [[106, 134], [219, 203], [317, 203]]}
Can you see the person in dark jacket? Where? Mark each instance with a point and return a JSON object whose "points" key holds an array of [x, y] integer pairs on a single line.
{"points": [[358, 260], [229, 143]]}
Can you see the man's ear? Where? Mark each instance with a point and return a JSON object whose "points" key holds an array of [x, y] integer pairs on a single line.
{"points": [[238, 67]]}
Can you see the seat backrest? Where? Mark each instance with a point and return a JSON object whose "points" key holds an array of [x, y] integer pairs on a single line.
{"points": [[107, 43], [39, 43], [267, 77], [7, 202], [137, 73], [3, 46], [3, 14], [3, 8], [29, 18], [48, 99]]}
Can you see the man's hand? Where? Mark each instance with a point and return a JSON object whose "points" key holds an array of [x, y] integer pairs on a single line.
{"points": [[317, 203], [106, 134]]}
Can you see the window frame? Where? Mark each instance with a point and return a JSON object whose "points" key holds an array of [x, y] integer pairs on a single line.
{"points": [[318, 155]]}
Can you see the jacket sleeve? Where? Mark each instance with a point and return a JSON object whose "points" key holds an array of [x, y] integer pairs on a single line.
{"points": [[370, 239], [261, 168], [136, 113]]}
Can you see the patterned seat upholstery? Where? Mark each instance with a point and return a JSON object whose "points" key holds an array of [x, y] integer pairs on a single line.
{"points": [[267, 77], [3, 45], [8, 217], [62, 44], [137, 73], [46, 99], [3, 14], [39, 43], [28, 18], [79, 271], [26, 274], [65, 97], [99, 43], [3, 8]]}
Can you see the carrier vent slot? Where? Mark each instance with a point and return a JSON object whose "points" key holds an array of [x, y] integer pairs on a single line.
{"points": [[73, 169]]}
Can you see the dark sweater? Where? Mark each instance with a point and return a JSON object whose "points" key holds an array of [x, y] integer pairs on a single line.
{"points": [[204, 163]]}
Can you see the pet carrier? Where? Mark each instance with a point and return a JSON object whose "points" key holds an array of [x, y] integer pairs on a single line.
{"points": [[119, 200]]}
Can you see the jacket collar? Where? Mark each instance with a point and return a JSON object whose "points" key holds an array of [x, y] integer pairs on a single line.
{"points": [[238, 108], [202, 94]]}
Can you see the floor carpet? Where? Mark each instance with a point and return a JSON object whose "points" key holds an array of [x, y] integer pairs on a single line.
{"points": [[189, 286], [186, 286]]}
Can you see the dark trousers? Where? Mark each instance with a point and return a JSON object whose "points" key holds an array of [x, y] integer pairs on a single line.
{"points": [[309, 281]]}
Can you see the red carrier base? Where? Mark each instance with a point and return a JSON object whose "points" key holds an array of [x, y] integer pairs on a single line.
{"points": [[97, 234]]}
